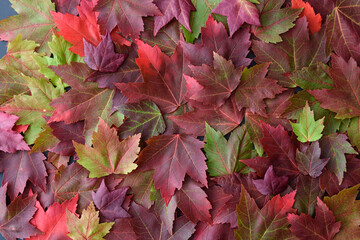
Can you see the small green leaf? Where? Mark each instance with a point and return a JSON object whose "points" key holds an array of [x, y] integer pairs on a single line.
{"points": [[307, 129], [88, 226]]}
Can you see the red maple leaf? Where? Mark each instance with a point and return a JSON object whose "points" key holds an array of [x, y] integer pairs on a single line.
{"points": [[179, 9], [323, 226], [281, 151], [173, 156], [163, 78], [313, 20], [74, 28], [216, 82], [127, 15], [52, 223], [20, 167], [14, 218], [215, 38], [238, 12]]}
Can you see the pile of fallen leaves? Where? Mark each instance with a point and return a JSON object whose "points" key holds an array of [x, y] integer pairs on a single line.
{"points": [[180, 119]]}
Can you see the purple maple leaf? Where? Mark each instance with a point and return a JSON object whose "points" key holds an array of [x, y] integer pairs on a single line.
{"points": [[271, 184]]}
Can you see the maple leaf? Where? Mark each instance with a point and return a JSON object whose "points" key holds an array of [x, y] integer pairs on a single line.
{"points": [[342, 28], [127, 15], [307, 190], [88, 226], [127, 72], [222, 155], [217, 82], [10, 141], [179, 9], [76, 28], [254, 88], [238, 12], [34, 22], [166, 73], [122, 230], [166, 39], [14, 218], [297, 50], [143, 117], [269, 222], [274, 20], [170, 154], [281, 151], [343, 97], [271, 184], [144, 219], [345, 208], [309, 161], [67, 6], [85, 101], [141, 184], [30, 109], [323, 226], [72, 180], [21, 166], [66, 134], [231, 185], [334, 146], [108, 155], [103, 57], [19, 61], [306, 128], [198, 18], [313, 20], [191, 200], [52, 223], [214, 38], [109, 203], [224, 118]]}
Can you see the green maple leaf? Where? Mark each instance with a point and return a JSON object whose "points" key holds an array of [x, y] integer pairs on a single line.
{"points": [[223, 155], [346, 210], [143, 117], [30, 109], [20, 55], [59, 48], [108, 155], [307, 129], [88, 226], [274, 20], [199, 17], [34, 22]]}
